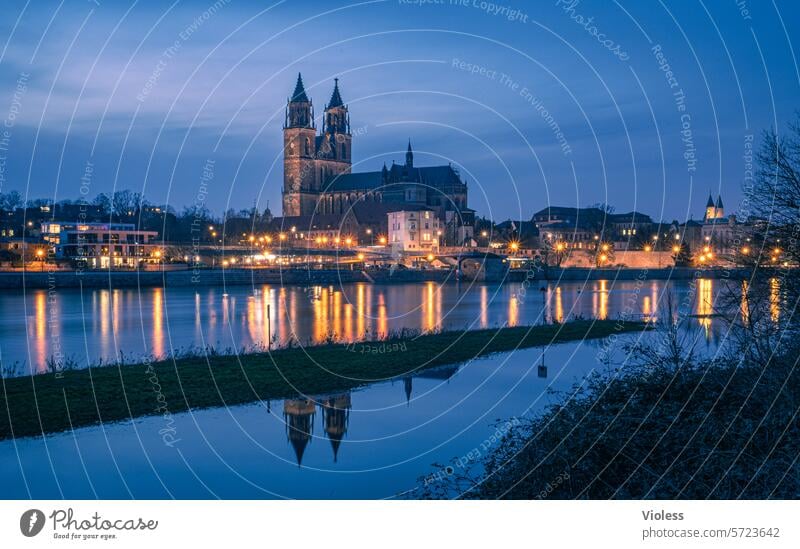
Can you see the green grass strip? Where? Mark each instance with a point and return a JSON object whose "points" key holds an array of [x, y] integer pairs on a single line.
{"points": [[49, 403]]}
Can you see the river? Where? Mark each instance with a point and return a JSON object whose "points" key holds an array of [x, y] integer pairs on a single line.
{"points": [[372, 443]]}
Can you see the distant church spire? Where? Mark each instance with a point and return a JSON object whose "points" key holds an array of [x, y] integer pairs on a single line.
{"points": [[409, 156], [714, 210]]}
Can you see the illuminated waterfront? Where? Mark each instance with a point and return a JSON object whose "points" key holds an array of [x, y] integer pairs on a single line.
{"points": [[67, 327]]}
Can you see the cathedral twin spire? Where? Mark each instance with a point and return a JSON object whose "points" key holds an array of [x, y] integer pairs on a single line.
{"points": [[299, 94], [336, 97], [714, 211], [300, 112]]}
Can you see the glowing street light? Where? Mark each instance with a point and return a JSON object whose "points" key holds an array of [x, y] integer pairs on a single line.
{"points": [[648, 248], [431, 257], [676, 248]]}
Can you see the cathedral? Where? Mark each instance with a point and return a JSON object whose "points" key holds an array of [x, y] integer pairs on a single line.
{"points": [[317, 177]]}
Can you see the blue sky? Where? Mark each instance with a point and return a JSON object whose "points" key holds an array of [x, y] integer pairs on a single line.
{"points": [[532, 106]]}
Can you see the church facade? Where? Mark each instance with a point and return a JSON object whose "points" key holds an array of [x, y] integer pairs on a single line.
{"points": [[318, 180]]}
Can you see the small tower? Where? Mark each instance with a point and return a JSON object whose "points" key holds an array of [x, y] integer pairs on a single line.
{"points": [[720, 209], [409, 156], [300, 189]]}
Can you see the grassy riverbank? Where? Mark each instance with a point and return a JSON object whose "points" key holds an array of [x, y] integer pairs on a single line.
{"points": [[55, 402], [722, 429]]}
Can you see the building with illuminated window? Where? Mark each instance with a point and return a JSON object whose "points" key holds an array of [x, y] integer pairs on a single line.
{"points": [[102, 245], [415, 231]]}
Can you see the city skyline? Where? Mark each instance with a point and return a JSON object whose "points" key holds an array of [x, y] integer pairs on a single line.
{"points": [[530, 119]]}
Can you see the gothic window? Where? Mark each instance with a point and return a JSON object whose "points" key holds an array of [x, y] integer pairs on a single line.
{"points": [[308, 147], [344, 151]]}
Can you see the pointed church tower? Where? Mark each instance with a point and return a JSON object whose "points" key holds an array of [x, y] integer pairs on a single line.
{"points": [[334, 153], [336, 130], [409, 156], [720, 209], [711, 210], [300, 188]]}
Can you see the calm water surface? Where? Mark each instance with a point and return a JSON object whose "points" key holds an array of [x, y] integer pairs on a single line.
{"points": [[39, 329], [372, 443]]}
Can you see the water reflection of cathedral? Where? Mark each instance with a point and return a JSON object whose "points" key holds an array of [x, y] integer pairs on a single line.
{"points": [[299, 414], [335, 418]]}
